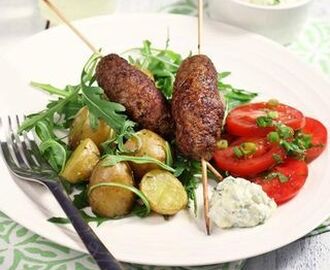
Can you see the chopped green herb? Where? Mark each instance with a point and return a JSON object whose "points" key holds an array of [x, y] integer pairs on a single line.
{"points": [[264, 121], [267, 120], [303, 140], [273, 137], [248, 148], [295, 144], [273, 102], [238, 152], [281, 177], [284, 131], [278, 159], [245, 149], [292, 149], [222, 144], [272, 114]]}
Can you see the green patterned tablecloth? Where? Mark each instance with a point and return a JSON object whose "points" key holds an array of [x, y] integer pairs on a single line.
{"points": [[313, 46], [21, 249]]}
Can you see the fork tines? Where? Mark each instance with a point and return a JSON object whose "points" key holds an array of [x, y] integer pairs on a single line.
{"points": [[20, 152]]}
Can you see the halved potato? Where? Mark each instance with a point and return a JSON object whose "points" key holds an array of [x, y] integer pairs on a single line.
{"points": [[164, 192], [111, 201], [81, 163], [146, 143], [81, 129]]}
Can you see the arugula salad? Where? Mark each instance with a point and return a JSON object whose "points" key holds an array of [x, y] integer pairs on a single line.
{"points": [[82, 132], [115, 168]]}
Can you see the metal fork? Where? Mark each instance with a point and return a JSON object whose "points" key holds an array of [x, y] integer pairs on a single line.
{"points": [[24, 160]]}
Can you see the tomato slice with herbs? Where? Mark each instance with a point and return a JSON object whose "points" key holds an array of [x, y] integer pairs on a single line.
{"points": [[247, 157], [245, 121], [284, 181], [319, 135]]}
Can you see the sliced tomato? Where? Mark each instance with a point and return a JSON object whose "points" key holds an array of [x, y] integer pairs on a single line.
{"points": [[266, 156], [294, 173], [229, 137], [242, 121], [319, 135]]}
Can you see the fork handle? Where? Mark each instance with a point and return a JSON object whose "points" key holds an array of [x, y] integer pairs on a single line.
{"points": [[101, 255]]}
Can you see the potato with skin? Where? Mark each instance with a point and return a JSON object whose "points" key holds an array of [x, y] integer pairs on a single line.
{"points": [[164, 192], [111, 201], [146, 143], [81, 163], [81, 129]]}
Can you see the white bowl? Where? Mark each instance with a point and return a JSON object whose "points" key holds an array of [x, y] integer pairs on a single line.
{"points": [[281, 23]]}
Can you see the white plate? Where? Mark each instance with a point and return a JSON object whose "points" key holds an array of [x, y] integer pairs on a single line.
{"points": [[56, 56]]}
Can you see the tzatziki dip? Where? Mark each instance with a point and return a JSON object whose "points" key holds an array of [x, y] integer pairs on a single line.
{"points": [[236, 202]]}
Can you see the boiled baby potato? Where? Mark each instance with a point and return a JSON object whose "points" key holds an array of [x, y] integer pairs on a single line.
{"points": [[81, 163], [111, 201], [164, 192], [146, 143], [81, 129]]}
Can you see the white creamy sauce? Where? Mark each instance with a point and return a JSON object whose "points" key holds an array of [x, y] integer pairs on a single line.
{"points": [[237, 202], [271, 2]]}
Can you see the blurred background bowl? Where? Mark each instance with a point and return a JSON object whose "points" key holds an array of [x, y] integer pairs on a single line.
{"points": [[281, 23]]}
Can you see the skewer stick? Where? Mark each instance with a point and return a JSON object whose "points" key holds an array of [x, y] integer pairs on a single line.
{"points": [[67, 22], [205, 196], [214, 171], [200, 24], [203, 162]]}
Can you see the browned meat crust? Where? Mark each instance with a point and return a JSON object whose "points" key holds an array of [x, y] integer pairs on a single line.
{"points": [[197, 108], [125, 84]]}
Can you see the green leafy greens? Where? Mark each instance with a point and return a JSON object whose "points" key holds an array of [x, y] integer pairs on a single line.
{"points": [[186, 171], [111, 160], [130, 188], [88, 218], [161, 65]]}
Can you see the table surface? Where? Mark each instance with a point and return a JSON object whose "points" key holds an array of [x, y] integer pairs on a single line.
{"points": [[20, 19]]}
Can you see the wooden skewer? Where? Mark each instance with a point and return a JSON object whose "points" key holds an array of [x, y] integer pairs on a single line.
{"points": [[203, 162], [67, 22], [214, 171], [200, 29], [200, 24], [205, 196]]}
